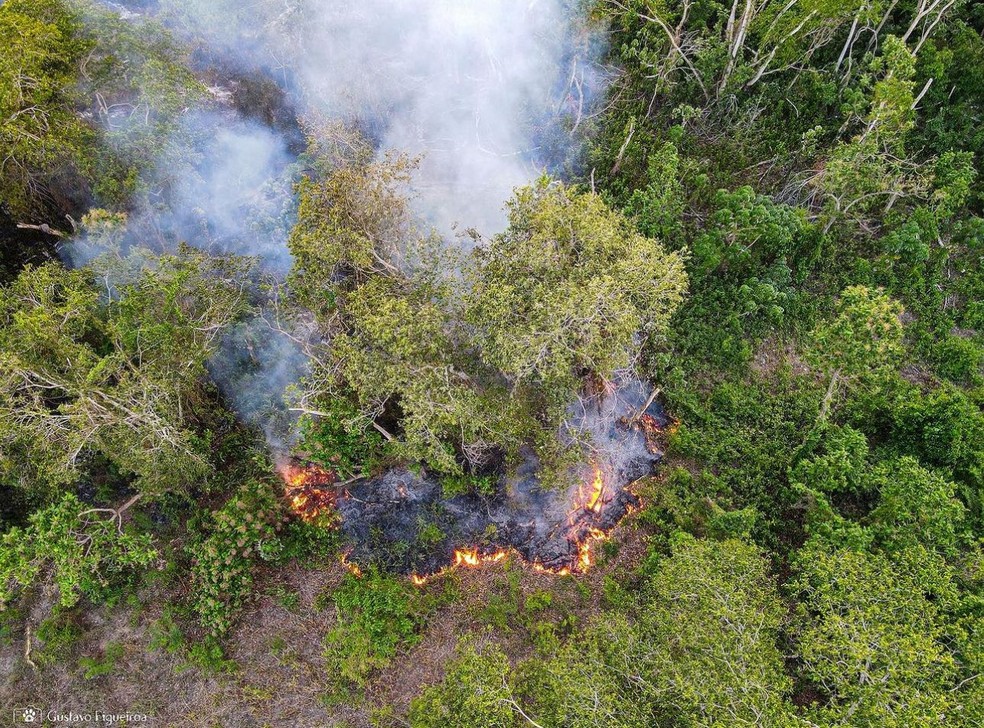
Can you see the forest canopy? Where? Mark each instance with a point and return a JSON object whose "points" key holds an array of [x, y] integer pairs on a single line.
{"points": [[588, 363]]}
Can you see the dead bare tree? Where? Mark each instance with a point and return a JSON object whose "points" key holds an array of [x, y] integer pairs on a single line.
{"points": [[928, 15]]}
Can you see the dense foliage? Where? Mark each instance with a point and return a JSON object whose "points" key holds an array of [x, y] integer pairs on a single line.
{"points": [[776, 218], [471, 354]]}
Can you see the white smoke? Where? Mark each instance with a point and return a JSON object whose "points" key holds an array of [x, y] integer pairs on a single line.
{"points": [[466, 85], [480, 89], [237, 196], [484, 91]]}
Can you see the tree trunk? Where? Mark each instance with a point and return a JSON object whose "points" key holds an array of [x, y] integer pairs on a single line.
{"points": [[828, 398]]}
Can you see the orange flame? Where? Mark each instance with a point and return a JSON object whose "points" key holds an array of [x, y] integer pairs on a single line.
{"points": [[467, 558], [472, 557], [307, 489], [593, 503], [584, 561], [598, 489], [353, 568]]}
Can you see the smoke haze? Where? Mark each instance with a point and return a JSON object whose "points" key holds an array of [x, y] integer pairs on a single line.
{"points": [[485, 93]]}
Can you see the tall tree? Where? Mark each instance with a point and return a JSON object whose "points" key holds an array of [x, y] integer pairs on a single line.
{"points": [[569, 289], [874, 639], [117, 377], [709, 649]]}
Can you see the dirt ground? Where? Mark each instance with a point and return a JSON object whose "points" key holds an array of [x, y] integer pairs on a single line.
{"points": [[279, 678]]}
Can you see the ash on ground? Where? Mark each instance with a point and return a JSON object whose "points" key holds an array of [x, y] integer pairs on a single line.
{"points": [[403, 523]]}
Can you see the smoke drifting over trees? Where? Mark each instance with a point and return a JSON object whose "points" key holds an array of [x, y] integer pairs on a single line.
{"points": [[480, 90], [505, 363], [487, 97]]}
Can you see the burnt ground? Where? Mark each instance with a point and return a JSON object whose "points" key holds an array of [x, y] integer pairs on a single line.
{"points": [[385, 519], [20, 247], [279, 676]]}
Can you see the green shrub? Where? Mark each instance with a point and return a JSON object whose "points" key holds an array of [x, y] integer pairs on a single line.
{"points": [[377, 616], [475, 693], [209, 656], [84, 549], [242, 532], [93, 667], [430, 534], [57, 635], [460, 484], [310, 543], [341, 439]]}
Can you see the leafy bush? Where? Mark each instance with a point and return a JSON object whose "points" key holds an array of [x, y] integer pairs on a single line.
{"points": [[746, 435], [341, 439], [84, 548], [475, 693], [242, 532], [458, 484], [57, 635], [377, 616]]}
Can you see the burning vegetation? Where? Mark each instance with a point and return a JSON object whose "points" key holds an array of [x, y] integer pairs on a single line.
{"points": [[309, 490], [403, 522]]}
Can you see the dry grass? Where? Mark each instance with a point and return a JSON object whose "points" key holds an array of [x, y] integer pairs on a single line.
{"points": [[281, 677]]}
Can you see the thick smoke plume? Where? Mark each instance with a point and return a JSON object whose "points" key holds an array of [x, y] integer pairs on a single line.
{"points": [[490, 94], [487, 94], [477, 88]]}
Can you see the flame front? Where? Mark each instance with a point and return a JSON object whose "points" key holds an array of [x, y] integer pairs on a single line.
{"points": [[582, 520], [467, 558]]}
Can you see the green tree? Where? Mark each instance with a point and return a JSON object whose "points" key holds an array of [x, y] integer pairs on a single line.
{"points": [[41, 136], [353, 223], [63, 62], [837, 461], [569, 289], [84, 548], [466, 365], [874, 634], [475, 693], [861, 344], [866, 177], [588, 682], [405, 347], [708, 648], [916, 507], [120, 378]]}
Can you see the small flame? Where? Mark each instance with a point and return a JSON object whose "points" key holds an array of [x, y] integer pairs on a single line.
{"points": [[584, 560], [563, 571], [468, 558], [592, 503], [353, 568], [472, 557], [597, 490]]}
